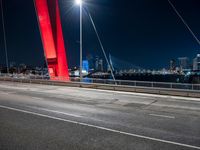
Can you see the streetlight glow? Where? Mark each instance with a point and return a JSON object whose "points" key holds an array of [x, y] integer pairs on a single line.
{"points": [[78, 2]]}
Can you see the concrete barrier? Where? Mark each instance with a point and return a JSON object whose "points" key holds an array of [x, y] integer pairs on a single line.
{"points": [[149, 90]]}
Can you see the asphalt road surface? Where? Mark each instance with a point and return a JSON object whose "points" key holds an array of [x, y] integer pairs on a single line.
{"points": [[44, 117]]}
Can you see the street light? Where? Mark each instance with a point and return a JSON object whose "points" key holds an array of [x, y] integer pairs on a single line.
{"points": [[79, 2]]}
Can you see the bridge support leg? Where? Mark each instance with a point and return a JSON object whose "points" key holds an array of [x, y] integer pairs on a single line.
{"points": [[52, 38]]}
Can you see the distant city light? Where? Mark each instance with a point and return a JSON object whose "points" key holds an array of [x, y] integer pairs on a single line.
{"points": [[78, 2]]}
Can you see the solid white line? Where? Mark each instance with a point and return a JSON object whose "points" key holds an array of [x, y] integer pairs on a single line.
{"points": [[126, 93], [58, 112], [102, 128], [164, 116], [145, 94]]}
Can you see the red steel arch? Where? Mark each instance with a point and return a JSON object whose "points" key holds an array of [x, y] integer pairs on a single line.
{"points": [[52, 38]]}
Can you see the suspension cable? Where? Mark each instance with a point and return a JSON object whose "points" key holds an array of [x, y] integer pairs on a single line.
{"points": [[100, 42], [184, 22], [4, 34]]}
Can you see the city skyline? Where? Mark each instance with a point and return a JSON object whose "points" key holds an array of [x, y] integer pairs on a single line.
{"points": [[144, 37]]}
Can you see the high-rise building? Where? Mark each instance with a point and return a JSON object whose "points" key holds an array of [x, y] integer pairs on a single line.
{"points": [[85, 67], [91, 61], [172, 65], [97, 63], [196, 63], [184, 63], [101, 64], [195, 67]]}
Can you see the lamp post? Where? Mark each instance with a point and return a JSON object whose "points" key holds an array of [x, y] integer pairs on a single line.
{"points": [[79, 2]]}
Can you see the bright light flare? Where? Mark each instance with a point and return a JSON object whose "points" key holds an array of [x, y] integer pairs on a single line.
{"points": [[78, 2]]}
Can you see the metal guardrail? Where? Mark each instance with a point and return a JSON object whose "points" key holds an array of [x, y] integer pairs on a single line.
{"points": [[164, 85], [182, 86]]}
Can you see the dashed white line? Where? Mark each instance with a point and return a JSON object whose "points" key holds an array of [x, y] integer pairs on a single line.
{"points": [[59, 112], [102, 128], [37, 98], [7, 93], [163, 116]]}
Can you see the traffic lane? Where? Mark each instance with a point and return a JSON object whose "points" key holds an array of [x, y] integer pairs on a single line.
{"points": [[94, 93], [109, 97], [20, 130], [131, 117], [115, 99], [182, 129]]}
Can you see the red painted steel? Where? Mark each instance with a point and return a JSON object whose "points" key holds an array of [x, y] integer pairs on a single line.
{"points": [[52, 37]]}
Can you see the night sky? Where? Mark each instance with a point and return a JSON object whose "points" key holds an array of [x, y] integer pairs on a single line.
{"points": [[146, 33]]}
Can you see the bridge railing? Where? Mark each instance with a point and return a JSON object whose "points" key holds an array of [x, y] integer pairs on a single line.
{"points": [[183, 86], [166, 85]]}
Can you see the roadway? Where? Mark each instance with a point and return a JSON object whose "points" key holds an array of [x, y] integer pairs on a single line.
{"points": [[39, 117]]}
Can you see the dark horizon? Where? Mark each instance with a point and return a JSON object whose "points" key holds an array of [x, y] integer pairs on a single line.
{"points": [[145, 33]]}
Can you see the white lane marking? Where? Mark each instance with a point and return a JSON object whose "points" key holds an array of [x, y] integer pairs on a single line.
{"points": [[59, 112], [102, 128], [8, 93], [163, 116], [144, 94], [119, 92], [37, 98]]}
